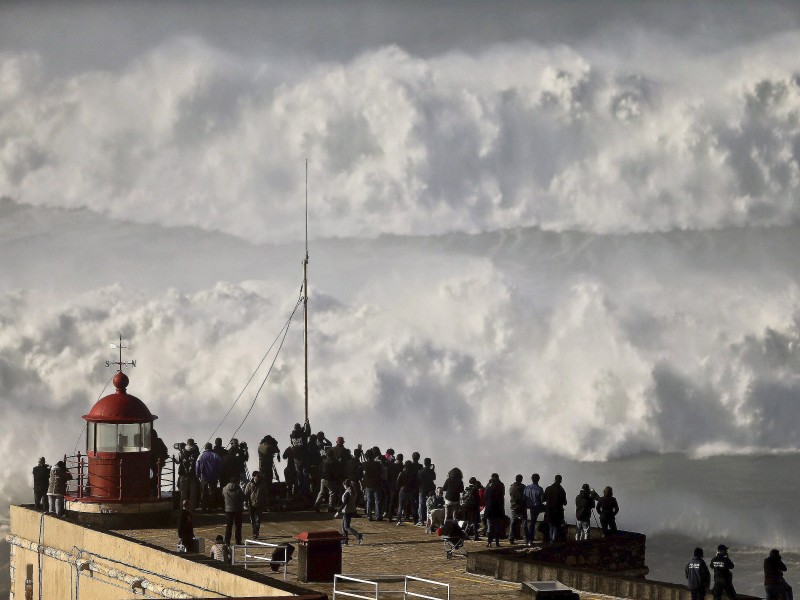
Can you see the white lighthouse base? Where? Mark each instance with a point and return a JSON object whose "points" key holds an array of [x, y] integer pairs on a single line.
{"points": [[128, 514]]}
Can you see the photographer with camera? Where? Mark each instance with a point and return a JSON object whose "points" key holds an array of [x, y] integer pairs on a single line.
{"points": [[188, 483]]}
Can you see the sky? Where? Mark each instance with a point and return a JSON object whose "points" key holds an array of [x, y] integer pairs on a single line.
{"points": [[552, 231]]}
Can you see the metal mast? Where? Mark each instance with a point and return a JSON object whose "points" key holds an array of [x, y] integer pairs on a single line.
{"points": [[305, 302]]}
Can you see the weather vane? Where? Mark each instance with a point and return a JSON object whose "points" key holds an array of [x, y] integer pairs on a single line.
{"points": [[120, 363]]}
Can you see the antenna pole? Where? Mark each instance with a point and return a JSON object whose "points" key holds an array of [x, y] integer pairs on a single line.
{"points": [[305, 302]]}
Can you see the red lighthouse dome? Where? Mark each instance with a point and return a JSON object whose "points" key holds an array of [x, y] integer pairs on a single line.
{"points": [[120, 407]]}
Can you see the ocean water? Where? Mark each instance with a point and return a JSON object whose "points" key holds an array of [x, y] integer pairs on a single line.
{"points": [[748, 503]]}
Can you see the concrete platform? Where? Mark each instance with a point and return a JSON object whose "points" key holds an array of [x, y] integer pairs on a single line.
{"points": [[387, 550]]}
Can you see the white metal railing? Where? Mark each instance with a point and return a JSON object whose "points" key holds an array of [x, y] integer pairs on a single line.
{"points": [[337, 591], [257, 544], [377, 590], [429, 582]]}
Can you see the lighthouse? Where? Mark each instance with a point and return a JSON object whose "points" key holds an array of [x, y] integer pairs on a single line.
{"points": [[118, 436], [115, 483]]}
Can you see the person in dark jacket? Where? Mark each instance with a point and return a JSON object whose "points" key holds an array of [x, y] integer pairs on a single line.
{"points": [[267, 452], [57, 488], [471, 505], [407, 492], [159, 454], [373, 482], [209, 469], [256, 493], [722, 566], [186, 528], [494, 498], [555, 499], [426, 483], [219, 449], [453, 486], [348, 510], [607, 509], [516, 495], [290, 472], [328, 476], [584, 503], [534, 502], [234, 498], [298, 440], [41, 479], [698, 577], [393, 469], [774, 583]]}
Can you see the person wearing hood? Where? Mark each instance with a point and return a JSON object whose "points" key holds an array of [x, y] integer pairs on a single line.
{"points": [[698, 577], [774, 583]]}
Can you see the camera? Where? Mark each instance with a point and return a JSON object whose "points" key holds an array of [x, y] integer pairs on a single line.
{"points": [[179, 445]]}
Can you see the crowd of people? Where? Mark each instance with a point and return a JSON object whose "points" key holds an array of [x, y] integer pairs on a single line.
{"points": [[387, 487]]}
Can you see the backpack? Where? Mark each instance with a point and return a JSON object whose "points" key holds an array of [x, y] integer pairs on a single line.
{"points": [[468, 498]]}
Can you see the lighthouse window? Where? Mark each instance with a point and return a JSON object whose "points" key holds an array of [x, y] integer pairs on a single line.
{"points": [[122, 437]]}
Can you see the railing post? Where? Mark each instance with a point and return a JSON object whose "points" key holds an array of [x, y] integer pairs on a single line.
{"points": [[159, 467], [120, 479], [80, 476]]}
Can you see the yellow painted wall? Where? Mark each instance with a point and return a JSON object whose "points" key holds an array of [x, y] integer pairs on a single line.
{"points": [[59, 577]]}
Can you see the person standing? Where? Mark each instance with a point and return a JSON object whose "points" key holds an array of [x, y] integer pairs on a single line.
{"points": [[723, 578], [495, 512], [234, 498], [608, 508], [57, 487], [453, 487], [348, 510], [698, 577], [267, 452], [256, 492], [41, 479], [159, 454], [209, 468], [516, 495], [186, 528], [327, 481], [555, 499], [584, 503], [426, 484], [407, 484], [774, 583], [534, 502], [373, 486]]}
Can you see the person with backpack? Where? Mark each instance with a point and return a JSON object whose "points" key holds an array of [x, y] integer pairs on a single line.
{"points": [[453, 488], [584, 504], [470, 504]]}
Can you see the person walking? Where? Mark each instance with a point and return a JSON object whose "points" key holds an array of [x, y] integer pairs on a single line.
{"points": [[348, 510], [698, 577], [774, 583], [723, 578], [257, 493], [233, 496], [41, 479]]}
